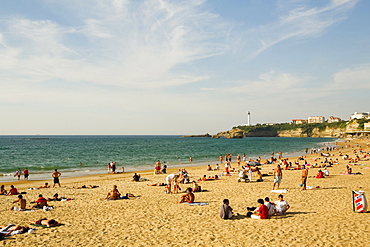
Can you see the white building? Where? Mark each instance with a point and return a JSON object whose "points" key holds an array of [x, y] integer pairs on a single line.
{"points": [[332, 119], [316, 119], [358, 115]]}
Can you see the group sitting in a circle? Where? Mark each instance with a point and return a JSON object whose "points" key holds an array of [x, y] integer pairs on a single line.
{"points": [[265, 210]]}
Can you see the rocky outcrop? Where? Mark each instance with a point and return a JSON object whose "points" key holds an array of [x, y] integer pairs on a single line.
{"points": [[292, 133], [231, 134], [204, 135]]}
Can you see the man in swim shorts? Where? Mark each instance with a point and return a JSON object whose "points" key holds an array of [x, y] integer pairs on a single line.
{"points": [[278, 175], [188, 197], [56, 176], [304, 177]]}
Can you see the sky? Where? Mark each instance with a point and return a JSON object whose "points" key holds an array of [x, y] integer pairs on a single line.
{"points": [[176, 67]]}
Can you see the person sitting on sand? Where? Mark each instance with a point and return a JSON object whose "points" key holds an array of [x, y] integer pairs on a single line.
{"points": [[204, 178], [2, 190], [209, 168], [326, 171], [262, 212], [188, 197], [45, 222], [12, 191], [44, 186], [41, 202], [320, 174], [281, 205], [13, 229], [258, 175], [226, 212], [196, 187], [21, 203], [136, 178], [113, 194], [270, 206]]}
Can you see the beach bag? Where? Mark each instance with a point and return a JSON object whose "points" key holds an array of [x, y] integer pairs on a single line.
{"points": [[359, 201]]}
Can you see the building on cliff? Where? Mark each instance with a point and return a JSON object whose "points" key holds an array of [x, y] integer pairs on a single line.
{"points": [[299, 121], [316, 119], [332, 119], [358, 115]]}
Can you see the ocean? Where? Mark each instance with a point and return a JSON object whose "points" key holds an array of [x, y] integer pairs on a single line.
{"points": [[42, 154]]}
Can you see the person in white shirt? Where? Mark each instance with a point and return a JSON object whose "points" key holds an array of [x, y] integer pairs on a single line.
{"points": [[270, 206], [281, 205]]}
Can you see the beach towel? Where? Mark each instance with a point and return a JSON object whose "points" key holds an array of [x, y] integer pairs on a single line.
{"points": [[279, 191], [196, 203]]}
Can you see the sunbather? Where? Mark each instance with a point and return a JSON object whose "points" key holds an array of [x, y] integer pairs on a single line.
{"points": [[2, 190], [41, 202], [188, 197], [13, 229], [21, 203], [45, 222], [113, 194]]}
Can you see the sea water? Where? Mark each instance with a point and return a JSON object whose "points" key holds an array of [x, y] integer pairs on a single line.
{"points": [[84, 155]]}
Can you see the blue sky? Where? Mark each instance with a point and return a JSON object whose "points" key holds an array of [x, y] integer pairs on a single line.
{"points": [[179, 67]]}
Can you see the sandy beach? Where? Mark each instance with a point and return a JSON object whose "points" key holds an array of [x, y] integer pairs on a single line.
{"points": [[318, 217]]}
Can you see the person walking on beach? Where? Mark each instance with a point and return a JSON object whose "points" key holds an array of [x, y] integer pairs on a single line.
{"points": [[18, 173], [26, 174], [304, 177], [56, 176], [278, 175]]}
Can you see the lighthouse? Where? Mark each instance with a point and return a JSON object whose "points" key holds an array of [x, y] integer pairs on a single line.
{"points": [[249, 119]]}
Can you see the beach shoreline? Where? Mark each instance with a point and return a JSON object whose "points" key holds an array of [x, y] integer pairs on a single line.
{"points": [[319, 216]]}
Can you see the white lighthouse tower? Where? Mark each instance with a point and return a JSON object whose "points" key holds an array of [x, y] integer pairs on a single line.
{"points": [[249, 119]]}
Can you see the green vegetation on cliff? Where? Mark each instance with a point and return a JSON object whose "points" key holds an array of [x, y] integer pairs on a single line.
{"points": [[306, 128]]}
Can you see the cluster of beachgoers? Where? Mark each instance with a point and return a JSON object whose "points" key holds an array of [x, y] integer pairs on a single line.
{"points": [[266, 184]]}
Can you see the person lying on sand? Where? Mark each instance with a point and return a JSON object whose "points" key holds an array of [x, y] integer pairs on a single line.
{"points": [[87, 187], [157, 184], [188, 197], [44, 186], [13, 229], [45, 222], [113, 194], [21, 203], [55, 198]]}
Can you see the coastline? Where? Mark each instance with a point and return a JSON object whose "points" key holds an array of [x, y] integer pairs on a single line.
{"points": [[319, 216], [91, 171]]}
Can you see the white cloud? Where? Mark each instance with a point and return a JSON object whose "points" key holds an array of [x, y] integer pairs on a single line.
{"points": [[352, 78], [300, 22]]}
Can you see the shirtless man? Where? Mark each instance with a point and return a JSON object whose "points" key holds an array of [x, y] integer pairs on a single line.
{"points": [[278, 175], [188, 197], [56, 176], [304, 177], [44, 186], [113, 194], [21, 203], [45, 222]]}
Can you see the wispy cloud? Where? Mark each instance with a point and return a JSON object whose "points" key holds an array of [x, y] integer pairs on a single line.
{"points": [[298, 21], [121, 44]]}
